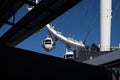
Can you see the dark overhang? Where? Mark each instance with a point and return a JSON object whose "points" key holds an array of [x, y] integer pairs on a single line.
{"points": [[37, 18], [7, 9]]}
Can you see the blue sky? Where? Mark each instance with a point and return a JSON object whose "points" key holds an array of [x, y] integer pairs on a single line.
{"points": [[82, 22]]}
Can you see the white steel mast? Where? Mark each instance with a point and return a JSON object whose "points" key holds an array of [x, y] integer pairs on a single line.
{"points": [[105, 24]]}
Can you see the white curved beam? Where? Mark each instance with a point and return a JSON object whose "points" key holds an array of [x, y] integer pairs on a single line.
{"points": [[67, 41]]}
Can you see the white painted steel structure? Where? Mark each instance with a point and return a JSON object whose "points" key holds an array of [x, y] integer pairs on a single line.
{"points": [[67, 41], [105, 28], [105, 24]]}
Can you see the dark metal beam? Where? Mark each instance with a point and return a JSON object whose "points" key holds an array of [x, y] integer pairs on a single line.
{"points": [[9, 23], [29, 2], [8, 8], [36, 19]]}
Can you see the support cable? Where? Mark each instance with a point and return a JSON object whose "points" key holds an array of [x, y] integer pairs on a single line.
{"points": [[90, 29], [86, 11], [14, 18], [115, 12]]}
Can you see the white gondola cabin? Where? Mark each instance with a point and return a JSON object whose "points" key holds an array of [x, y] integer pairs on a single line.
{"points": [[69, 55], [48, 44]]}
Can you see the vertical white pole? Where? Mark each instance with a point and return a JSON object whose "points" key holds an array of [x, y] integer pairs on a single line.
{"points": [[105, 24]]}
